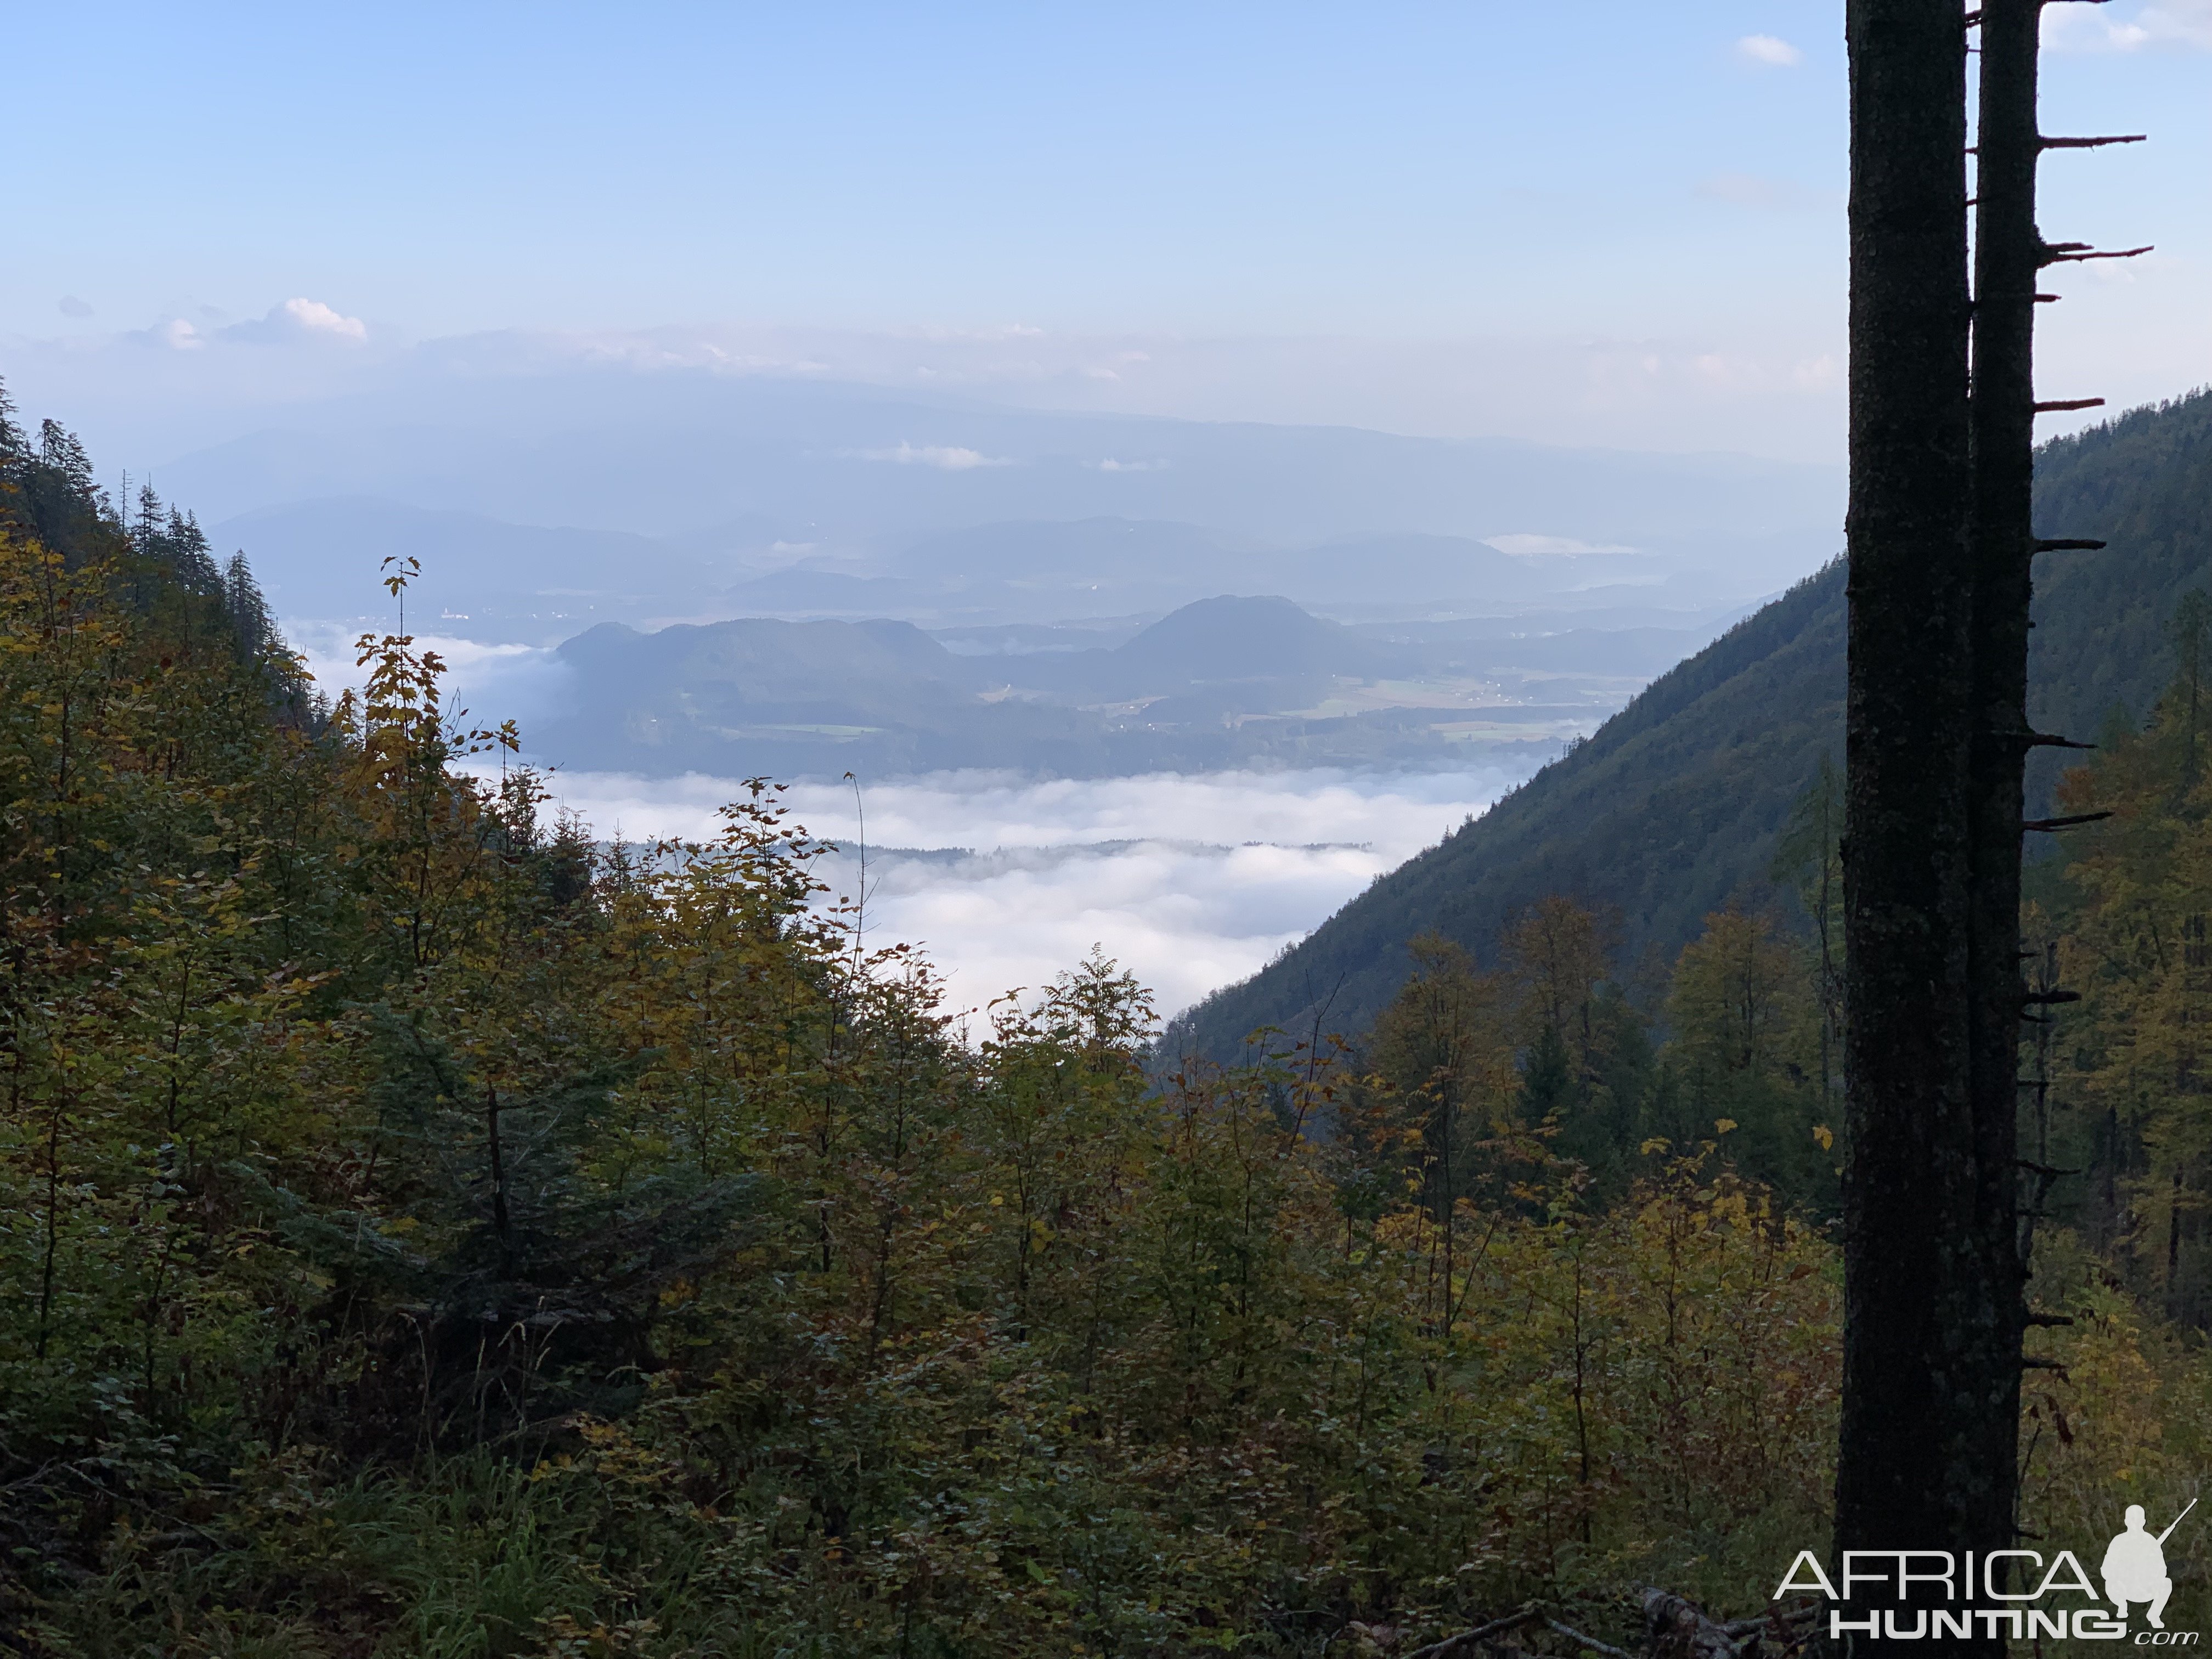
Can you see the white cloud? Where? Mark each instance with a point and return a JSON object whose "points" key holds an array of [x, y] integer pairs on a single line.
{"points": [[2164, 23], [178, 335], [498, 682], [299, 320], [1110, 464], [73, 306], [1189, 881], [1818, 373], [313, 317], [947, 458], [1769, 52], [1523, 545], [1001, 331]]}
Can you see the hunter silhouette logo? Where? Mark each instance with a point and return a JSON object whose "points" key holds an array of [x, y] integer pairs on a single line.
{"points": [[1907, 1595], [2134, 1567]]}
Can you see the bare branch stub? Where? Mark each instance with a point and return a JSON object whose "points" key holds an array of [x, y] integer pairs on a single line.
{"points": [[2093, 143], [2061, 404], [2048, 826], [2068, 544], [2061, 253]]}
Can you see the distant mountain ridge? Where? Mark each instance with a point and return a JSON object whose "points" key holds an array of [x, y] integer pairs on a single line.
{"points": [[1227, 681], [1673, 806], [320, 559], [1045, 571], [676, 453]]}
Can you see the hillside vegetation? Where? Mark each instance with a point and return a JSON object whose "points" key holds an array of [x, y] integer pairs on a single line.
{"points": [[1675, 805], [427, 1232]]}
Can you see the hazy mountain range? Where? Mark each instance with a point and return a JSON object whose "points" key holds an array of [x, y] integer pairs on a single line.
{"points": [[809, 576], [1223, 682], [726, 463]]}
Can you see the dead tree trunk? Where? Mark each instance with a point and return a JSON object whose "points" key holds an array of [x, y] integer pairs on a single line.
{"points": [[1913, 1470], [2008, 254], [1941, 540]]}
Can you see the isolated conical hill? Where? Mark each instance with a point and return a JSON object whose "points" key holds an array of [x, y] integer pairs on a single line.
{"points": [[1238, 638], [1674, 805]]}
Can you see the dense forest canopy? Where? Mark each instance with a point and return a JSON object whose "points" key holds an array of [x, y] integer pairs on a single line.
{"points": [[430, 1231]]}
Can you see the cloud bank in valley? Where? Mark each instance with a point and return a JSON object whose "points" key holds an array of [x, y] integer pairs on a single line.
{"points": [[1190, 882]]}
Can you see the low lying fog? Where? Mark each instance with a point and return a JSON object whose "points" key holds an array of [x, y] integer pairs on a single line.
{"points": [[1191, 882]]}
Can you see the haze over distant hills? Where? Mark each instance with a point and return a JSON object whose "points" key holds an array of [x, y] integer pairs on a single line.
{"points": [[1225, 682], [1673, 806], [482, 577], [731, 463], [544, 505], [486, 578]]}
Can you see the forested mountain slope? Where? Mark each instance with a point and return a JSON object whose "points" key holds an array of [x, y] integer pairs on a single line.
{"points": [[1661, 814], [2142, 483], [1674, 805]]}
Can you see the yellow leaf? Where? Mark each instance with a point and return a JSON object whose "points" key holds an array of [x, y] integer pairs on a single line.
{"points": [[1722, 1125], [1825, 1135]]}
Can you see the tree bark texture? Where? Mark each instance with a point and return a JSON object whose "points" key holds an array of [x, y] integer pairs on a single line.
{"points": [[2008, 258], [1926, 1453]]}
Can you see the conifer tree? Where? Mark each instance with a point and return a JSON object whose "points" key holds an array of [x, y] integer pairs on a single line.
{"points": [[249, 612], [59, 450], [14, 447]]}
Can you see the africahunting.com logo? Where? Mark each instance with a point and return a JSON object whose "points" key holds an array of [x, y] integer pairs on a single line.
{"points": [[1939, 1595]]}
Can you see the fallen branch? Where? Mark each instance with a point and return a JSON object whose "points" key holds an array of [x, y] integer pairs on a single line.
{"points": [[1765, 1621], [1462, 1645], [1678, 1629], [1576, 1636]]}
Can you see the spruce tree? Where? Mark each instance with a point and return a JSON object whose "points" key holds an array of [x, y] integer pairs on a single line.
{"points": [[14, 447]]}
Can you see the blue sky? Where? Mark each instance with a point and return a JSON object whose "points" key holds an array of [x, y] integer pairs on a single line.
{"points": [[1377, 174]]}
